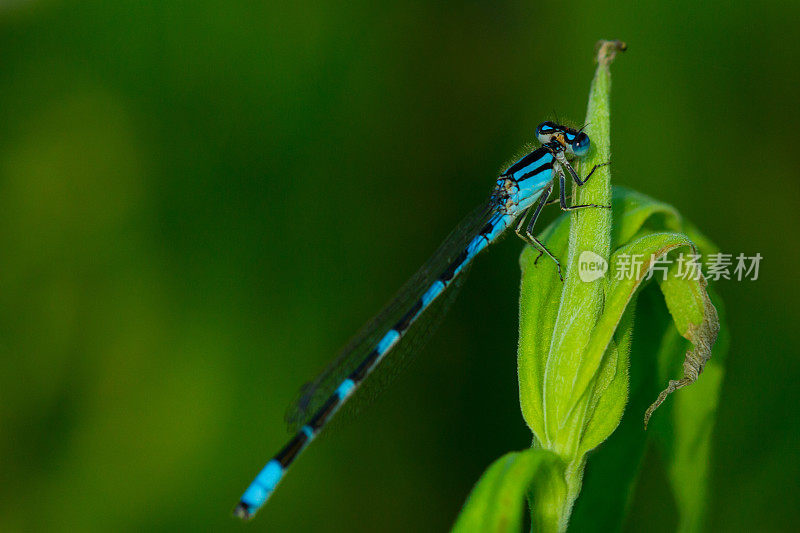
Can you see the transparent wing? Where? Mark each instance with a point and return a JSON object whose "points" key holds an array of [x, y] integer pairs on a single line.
{"points": [[312, 395]]}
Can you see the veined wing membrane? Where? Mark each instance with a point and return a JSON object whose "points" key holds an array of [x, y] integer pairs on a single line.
{"points": [[314, 394]]}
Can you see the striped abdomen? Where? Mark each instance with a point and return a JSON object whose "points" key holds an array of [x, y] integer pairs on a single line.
{"points": [[266, 481]]}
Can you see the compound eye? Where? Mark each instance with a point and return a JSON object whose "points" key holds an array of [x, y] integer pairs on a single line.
{"points": [[545, 130], [580, 144]]}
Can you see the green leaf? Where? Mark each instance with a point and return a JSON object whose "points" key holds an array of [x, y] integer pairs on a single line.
{"points": [[635, 212], [618, 294], [684, 437], [496, 503], [613, 468], [602, 371], [696, 319], [611, 389], [685, 432], [581, 303], [539, 298]]}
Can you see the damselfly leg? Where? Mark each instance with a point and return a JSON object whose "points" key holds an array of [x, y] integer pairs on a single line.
{"points": [[529, 237], [562, 185], [562, 199]]}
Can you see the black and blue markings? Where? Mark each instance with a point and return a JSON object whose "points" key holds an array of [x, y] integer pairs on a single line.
{"points": [[522, 189]]}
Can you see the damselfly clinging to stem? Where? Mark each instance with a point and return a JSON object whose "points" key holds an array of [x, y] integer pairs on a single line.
{"points": [[517, 200]]}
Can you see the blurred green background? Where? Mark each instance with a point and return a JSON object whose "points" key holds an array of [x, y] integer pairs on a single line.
{"points": [[201, 201]]}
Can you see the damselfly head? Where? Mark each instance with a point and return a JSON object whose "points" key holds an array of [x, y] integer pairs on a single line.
{"points": [[575, 142]]}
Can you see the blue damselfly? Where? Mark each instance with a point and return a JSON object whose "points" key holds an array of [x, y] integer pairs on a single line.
{"points": [[519, 195]]}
